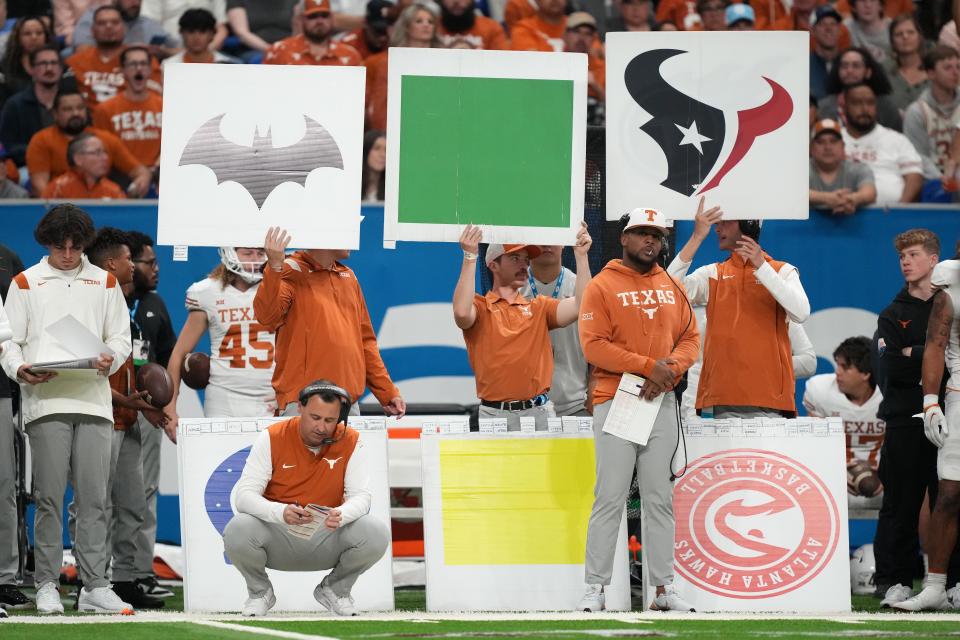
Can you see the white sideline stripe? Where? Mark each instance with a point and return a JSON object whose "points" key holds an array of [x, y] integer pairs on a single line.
{"points": [[263, 631]]}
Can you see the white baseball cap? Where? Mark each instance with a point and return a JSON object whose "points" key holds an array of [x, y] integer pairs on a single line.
{"points": [[494, 251], [647, 217]]}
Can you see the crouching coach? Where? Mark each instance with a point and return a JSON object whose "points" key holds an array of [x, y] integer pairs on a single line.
{"points": [[302, 503]]}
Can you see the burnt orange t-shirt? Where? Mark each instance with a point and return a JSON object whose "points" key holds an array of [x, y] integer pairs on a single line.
{"points": [[303, 477], [358, 41], [677, 12], [484, 34], [47, 151], [137, 124], [789, 23], [377, 91], [516, 10], [296, 50], [100, 78], [533, 34], [509, 346], [72, 186]]}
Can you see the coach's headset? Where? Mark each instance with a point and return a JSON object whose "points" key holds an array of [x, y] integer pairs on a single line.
{"points": [[320, 388], [751, 229]]}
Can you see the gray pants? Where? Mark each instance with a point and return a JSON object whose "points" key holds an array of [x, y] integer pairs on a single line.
{"points": [[150, 439], [744, 411], [615, 461], [513, 417], [254, 545], [78, 446], [129, 506], [293, 409], [9, 550]]}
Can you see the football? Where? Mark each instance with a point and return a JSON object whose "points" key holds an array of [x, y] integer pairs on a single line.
{"points": [[863, 478], [155, 380], [195, 371]]}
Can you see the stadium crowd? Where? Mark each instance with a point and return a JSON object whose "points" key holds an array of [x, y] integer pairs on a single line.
{"points": [[884, 102]]}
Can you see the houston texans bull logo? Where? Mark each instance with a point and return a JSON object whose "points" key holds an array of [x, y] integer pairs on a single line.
{"points": [[691, 133]]}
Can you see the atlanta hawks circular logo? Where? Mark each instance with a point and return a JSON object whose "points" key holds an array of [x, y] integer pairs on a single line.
{"points": [[752, 524]]}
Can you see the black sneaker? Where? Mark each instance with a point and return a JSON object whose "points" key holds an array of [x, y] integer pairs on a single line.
{"points": [[131, 594], [12, 598], [150, 586], [3, 613]]}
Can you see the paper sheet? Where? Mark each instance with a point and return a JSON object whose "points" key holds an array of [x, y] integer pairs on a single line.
{"points": [[79, 364], [307, 529], [77, 339], [631, 417]]}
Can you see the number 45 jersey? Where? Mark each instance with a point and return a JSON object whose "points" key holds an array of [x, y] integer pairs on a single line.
{"points": [[241, 350]]}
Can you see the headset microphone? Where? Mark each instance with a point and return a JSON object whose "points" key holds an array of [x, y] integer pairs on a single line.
{"points": [[324, 388]]}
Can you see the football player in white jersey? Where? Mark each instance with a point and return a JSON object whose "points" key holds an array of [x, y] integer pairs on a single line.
{"points": [[241, 359], [942, 348], [851, 394]]}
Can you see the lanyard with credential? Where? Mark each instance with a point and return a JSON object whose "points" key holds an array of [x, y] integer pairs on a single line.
{"points": [[133, 317], [556, 289]]}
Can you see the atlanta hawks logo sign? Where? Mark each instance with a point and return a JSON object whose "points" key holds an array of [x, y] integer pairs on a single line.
{"points": [[752, 524]]}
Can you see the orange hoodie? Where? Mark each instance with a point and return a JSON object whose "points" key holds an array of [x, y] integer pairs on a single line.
{"points": [[629, 320]]}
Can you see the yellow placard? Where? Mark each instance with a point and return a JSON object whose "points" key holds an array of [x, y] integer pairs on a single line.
{"points": [[516, 501]]}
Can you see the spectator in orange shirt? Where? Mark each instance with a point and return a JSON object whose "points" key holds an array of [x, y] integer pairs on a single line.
{"points": [[134, 116], [680, 13], [634, 15], [543, 31], [314, 45], [416, 27], [87, 177], [516, 10], [47, 151], [28, 35], [374, 35], [578, 38], [459, 23]]}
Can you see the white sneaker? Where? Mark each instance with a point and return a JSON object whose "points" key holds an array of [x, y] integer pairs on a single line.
{"points": [[930, 599], [896, 593], [340, 605], [670, 600], [48, 599], [593, 599], [953, 596], [102, 600], [259, 606]]}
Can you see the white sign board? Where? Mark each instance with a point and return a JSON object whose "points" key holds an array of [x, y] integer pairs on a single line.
{"points": [[723, 115], [761, 517], [247, 147], [211, 454], [505, 519]]}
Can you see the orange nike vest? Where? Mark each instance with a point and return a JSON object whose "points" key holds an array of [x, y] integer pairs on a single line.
{"points": [[746, 354], [302, 477]]}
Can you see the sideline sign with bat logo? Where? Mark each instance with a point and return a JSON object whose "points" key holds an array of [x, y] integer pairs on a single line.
{"points": [[248, 147], [721, 115]]}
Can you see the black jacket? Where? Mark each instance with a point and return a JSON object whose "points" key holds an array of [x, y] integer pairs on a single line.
{"points": [[152, 323], [22, 116], [902, 324], [10, 265]]}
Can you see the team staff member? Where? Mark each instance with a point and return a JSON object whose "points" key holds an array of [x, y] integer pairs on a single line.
{"points": [[942, 348], [568, 388], [507, 335], [908, 461], [762, 294], [330, 469], [635, 318], [69, 420], [241, 359], [314, 304]]}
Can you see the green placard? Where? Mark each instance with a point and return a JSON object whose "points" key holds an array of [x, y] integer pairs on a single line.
{"points": [[493, 151]]}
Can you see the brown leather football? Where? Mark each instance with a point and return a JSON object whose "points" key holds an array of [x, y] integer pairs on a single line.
{"points": [[863, 478], [155, 380], [195, 371]]}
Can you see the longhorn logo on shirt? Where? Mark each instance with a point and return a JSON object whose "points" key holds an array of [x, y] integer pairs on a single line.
{"points": [[752, 524], [332, 462], [690, 133], [261, 168]]}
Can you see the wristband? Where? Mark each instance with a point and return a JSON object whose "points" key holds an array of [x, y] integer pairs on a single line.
{"points": [[929, 401], [470, 256]]}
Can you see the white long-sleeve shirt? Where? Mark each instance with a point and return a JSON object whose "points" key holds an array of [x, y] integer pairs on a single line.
{"points": [[5, 332], [259, 469], [39, 297], [783, 285]]}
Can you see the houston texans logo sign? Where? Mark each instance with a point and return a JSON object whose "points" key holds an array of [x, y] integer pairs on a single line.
{"points": [[690, 133], [262, 167]]}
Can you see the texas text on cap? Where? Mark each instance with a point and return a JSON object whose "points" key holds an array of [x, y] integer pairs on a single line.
{"points": [[581, 19], [646, 217], [494, 251], [315, 6], [826, 126], [738, 13]]}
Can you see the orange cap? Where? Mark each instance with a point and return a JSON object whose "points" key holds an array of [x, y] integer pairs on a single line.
{"points": [[315, 6]]}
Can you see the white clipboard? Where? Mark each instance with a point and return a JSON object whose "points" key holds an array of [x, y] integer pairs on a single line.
{"points": [[631, 417]]}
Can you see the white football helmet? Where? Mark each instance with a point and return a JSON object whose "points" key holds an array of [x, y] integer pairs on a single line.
{"points": [[249, 271], [862, 570]]}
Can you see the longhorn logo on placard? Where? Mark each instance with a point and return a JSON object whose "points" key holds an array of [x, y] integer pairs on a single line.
{"points": [[752, 524], [262, 167], [691, 133]]}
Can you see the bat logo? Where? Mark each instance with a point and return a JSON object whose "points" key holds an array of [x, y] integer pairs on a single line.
{"points": [[691, 133], [262, 167]]}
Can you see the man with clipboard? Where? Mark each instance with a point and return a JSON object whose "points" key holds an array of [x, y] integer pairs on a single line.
{"points": [[635, 320]]}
